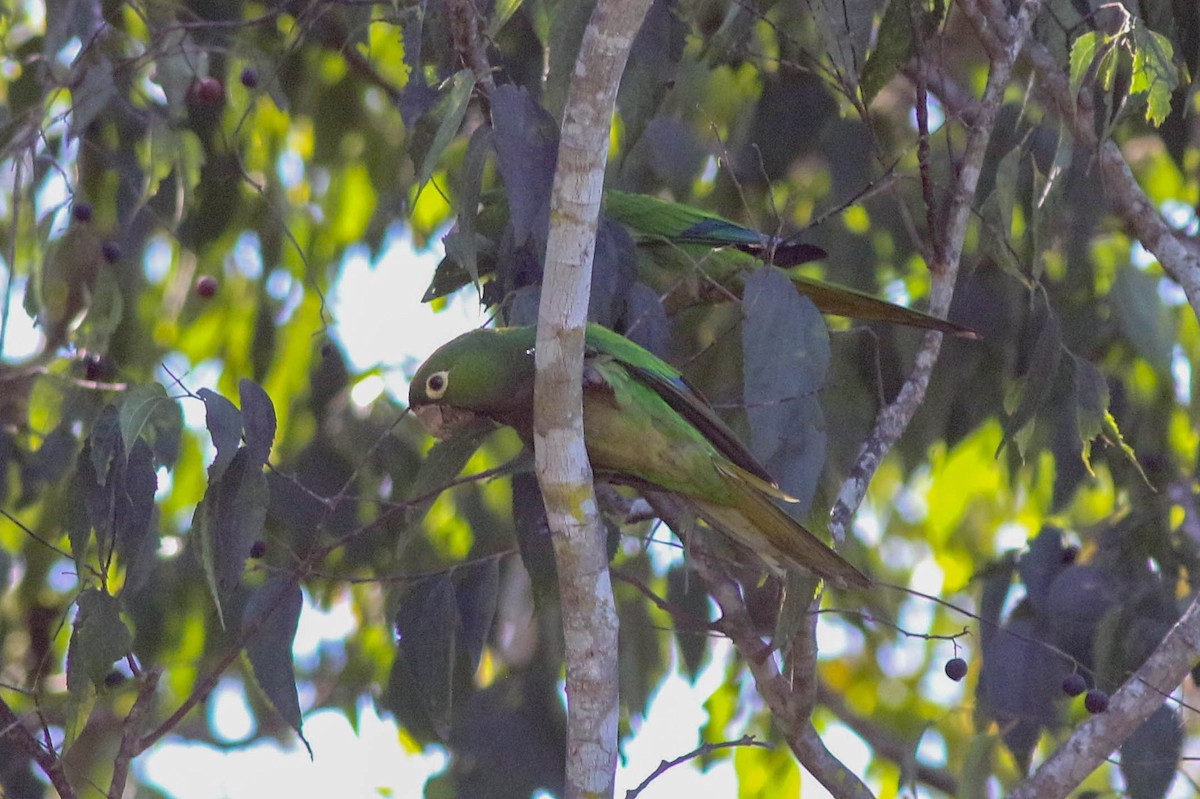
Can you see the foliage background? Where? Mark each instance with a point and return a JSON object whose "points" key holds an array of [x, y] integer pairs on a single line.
{"points": [[262, 145]]}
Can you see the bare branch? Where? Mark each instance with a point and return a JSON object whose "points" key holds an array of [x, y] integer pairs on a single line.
{"points": [[13, 730], [700, 751]]}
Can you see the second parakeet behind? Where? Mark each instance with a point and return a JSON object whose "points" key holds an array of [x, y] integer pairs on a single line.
{"points": [[644, 426]]}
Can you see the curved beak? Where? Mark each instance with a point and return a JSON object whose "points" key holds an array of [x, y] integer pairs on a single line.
{"points": [[442, 420]]}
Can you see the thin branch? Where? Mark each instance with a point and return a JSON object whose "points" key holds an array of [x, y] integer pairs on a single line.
{"points": [[1093, 741], [129, 732], [950, 237], [700, 751], [13, 730]]}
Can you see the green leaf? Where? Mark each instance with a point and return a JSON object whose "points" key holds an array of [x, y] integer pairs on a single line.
{"points": [[258, 419], [1041, 369], [224, 423], [105, 441], [996, 214], [893, 47], [786, 346], [138, 405], [1147, 324], [1083, 52], [475, 589], [690, 610], [470, 189], [435, 130], [427, 626], [1154, 72], [1091, 404], [98, 638], [277, 603]]}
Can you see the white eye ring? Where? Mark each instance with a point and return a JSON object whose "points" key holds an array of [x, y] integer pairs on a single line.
{"points": [[436, 384]]}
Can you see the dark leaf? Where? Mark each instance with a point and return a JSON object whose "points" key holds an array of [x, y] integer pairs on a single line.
{"points": [[526, 140], [614, 270], [138, 405], [76, 518], [690, 612], [650, 70], [427, 626], [98, 638], [224, 423], [258, 418], [893, 47], [475, 588], [470, 189], [1146, 323], [443, 463], [645, 321], [54, 457], [276, 605], [1019, 680], [1150, 757], [1040, 565], [1039, 377], [786, 346], [533, 535], [136, 508], [435, 130], [105, 439]]}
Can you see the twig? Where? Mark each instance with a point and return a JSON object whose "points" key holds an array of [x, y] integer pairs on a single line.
{"points": [[893, 419], [129, 732], [700, 751], [14, 731]]}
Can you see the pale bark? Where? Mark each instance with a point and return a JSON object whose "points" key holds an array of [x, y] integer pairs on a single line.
{"points": [[564, 473]]}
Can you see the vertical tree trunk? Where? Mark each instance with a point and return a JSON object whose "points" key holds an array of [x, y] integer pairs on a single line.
{"points": [[565, 475]]}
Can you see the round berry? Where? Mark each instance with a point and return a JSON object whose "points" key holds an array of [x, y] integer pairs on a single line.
{"points": [[956, 668], [1069, 555], [258, 549], [82, 212], [111, 251], [206, 286], [206, 92], [249, 77], [1096, 701], [1074, 684], [113, 679]]}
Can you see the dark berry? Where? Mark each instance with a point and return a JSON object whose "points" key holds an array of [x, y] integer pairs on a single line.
{"points": [[1069, 555], [82, 212], [1096, 701], [956, 668], [206, 286], [111, 251], [1074, 684], [113, 679], [328, 349], [249, 77], [206, 92], [258, 549]]}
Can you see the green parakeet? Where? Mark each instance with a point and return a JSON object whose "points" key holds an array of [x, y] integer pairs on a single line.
{"points": [[688, 256], [644, 426]]}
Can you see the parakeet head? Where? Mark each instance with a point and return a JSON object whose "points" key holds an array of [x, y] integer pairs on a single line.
{"points": [[483, 372]]}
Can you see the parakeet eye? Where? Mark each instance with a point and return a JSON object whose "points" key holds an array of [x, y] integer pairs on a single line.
{"points": [[435, 385]]}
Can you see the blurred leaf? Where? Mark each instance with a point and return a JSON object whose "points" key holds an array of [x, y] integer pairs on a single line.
{"points": [[105, 441], [689, 603], [526, 140], [1040, 564], [435, 130], [786, 347], [1040, 372], [1148, 326], [138, 405], [470, 189], [894, 46], [1154, 72], [650, 70], [224, 423], [1150, 756], [258, 419], [98, 638], [270, 648], [533, 535], [475, 589], [444, 462], [427, 625], [135, 507]]}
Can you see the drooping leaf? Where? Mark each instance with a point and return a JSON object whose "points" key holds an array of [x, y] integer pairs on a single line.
{"points": [[98, 638], [138, 405], [1150, 756], [1040, 564], [650, 70], [258, 419], [475, 589], [526, 140], [690, 611], [135, 507], [105, 440], [533, 535], [1154, 72], [427, 628], [786, 346], [470, 188], [276, 606], [436, 129], [894, 46], [224, 423], [1040, 372]]}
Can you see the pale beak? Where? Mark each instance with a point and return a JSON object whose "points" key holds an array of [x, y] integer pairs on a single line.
{"points": [[442, 420]]}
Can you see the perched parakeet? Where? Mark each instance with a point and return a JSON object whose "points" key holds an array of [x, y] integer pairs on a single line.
{"points": [[674, 240], [644, 426], [688, 256]]}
